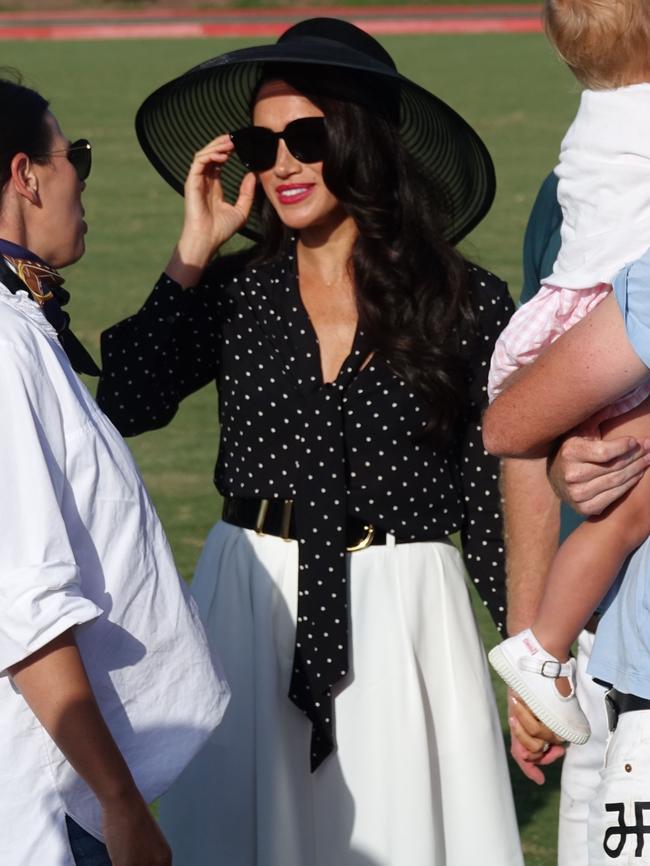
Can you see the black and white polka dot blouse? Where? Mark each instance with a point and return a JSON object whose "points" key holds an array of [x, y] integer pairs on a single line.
{"points": [[352, 446]]}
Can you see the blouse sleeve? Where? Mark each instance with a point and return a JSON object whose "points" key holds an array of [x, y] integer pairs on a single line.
{"points": [[165, 352], [40, 590], [482, 529]]}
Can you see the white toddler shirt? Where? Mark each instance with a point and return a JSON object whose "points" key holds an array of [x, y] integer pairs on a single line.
{"points": [[604, 192]]}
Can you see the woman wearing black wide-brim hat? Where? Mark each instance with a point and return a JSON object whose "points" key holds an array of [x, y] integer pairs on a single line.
{"points": [[350, 346]]}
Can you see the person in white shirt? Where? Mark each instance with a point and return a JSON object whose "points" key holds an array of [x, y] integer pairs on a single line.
{"points": [[107, 685]]}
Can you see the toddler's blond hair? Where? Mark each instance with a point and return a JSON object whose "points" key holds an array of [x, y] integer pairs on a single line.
{"points": [[606, 43]]}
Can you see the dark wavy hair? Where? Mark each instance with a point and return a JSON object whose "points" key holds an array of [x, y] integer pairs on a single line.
{"points": [[22, 123], [411, 285]]}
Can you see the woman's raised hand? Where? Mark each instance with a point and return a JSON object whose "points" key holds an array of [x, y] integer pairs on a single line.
{"points": [[209, 219]]}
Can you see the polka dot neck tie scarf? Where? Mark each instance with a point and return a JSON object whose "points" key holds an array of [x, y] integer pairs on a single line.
{"points": [[320, 514], [321, 650], [320, 507], [19, 270]]}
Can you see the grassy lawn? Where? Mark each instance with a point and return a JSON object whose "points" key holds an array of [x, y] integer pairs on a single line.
{"points": [[511, 88]]}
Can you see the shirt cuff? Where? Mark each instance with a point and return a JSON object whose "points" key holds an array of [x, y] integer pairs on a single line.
{"points": [[631, 289], [165, 303], [37, 604]]}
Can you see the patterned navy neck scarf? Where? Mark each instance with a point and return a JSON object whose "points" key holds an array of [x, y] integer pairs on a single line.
{"points": [[22, 269]]}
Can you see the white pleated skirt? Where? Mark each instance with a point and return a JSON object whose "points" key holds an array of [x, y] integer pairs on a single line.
{"points": [[419, 777]]}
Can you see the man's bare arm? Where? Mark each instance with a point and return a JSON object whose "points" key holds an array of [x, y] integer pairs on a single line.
{"points": [[532, 524], [54, 683]]}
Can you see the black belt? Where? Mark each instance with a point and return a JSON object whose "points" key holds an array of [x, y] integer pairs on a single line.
{"points": [[618, 703], [276, 517]]}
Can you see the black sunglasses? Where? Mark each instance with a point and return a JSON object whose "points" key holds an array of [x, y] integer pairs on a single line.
{"points": [[79, 154], [257, 146]]}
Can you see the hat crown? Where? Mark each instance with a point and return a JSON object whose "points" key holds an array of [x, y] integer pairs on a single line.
{"points": [[341, 33]]}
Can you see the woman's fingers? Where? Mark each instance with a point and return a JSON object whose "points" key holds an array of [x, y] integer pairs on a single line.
{"points": [[218, 146], [209, 219], [531, 763], [532, 744], [523, 759], [205, 166], [246, 196], [532, 733], [209, 160]]}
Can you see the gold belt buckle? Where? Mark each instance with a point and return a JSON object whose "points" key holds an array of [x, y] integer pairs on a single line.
{"points": [[285, 520], [366, 541], [261, 516]]}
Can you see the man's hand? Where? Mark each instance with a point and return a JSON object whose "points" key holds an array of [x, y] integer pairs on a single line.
{"points": [[589, 473]]}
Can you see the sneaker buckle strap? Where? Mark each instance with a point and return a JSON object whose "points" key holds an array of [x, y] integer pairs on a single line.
{"points": [[550, 668]]}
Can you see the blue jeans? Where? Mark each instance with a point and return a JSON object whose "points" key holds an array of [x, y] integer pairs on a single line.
{"points": [[86, 850]]}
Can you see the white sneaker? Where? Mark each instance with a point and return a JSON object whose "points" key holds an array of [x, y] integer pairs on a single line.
{"points": [[530, 671]]}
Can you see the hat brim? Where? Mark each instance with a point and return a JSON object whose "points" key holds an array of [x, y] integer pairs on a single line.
{"points": [[182, 116]]}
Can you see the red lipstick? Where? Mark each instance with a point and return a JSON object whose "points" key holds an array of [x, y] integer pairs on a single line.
{"points": [[293, 193]]}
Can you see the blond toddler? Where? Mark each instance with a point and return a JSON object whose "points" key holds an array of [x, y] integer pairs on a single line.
{"points": [[604, 193]]}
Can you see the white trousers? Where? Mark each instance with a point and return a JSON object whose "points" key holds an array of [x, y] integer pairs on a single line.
{"points": [[619, 817], [582, 765], [419, 777]]}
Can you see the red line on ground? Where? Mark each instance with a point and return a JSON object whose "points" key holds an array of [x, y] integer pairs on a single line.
{"points": [[451, 25], [103, 31], [291, 12], [194, 23], [189, 30]]}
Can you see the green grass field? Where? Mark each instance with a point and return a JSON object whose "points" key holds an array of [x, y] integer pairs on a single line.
{"points": [[511, 88]]}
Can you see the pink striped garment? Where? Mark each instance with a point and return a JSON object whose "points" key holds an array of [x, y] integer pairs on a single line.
{"points": [[539, 323]]}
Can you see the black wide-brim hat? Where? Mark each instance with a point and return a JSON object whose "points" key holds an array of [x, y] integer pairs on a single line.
{"points": [[182, 116]]}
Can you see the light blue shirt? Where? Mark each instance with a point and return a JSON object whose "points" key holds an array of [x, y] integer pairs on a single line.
{"points": [[621, 654]]}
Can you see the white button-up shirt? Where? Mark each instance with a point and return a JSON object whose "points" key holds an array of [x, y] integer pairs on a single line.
{"points": [[81, 545]]}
